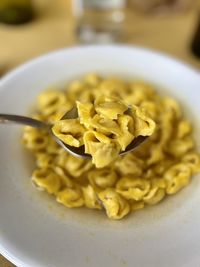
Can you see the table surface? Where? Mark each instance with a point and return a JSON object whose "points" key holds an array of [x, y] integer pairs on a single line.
{"points": [[53, 29]]}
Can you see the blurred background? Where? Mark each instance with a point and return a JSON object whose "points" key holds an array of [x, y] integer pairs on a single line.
{"points": [[29, 28]]}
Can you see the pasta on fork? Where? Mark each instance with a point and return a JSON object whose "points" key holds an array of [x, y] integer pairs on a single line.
{"points": [[105, 128]]}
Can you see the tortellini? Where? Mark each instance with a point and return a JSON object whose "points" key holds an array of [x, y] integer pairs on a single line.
{"points": [[53, 104], [69, 131], [161, 166], [177, 177], [115, 205], [70, 197], [47, 179], [105, 128], [133, 188], [102, 178], [90, 197]]}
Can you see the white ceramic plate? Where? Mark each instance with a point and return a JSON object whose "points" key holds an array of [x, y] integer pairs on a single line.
{"points": [[36, 232]]}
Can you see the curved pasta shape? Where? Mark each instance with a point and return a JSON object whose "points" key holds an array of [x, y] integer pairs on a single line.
{"points": [[138, 93], [158, 182], [90, 198], [53, 148], [69, 131], [35, 139], [162, 167], [172, 106], [105, 126], [66, 181], [126, 136], [177, 177], [92, 79], [85, 112], [44, 160], [156, 154], [53, 104], [115, 205], [154, 196], [129, 164], [99, 146], [86, 96], [143, 125], [102, 178], [112, 87], [70, 197], [150, 108], [180, 147], [133, 188], [50, 100], [167, 122], [76, 166], [192, 159], [47, 179], [74, 90], [110, 107], [137, 205], [184, 128]]}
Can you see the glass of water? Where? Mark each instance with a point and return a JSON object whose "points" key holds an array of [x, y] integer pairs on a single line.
{"points": [[99, 21]]}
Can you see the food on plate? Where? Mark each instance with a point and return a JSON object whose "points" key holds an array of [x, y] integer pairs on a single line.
{"points": [[161, 166]]}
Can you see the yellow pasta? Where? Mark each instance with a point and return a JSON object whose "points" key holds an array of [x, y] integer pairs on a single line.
{"points": [[110, 107], [102, 178], [180, 147], [70, 197], [154, 196], [47, 179], [183, 129], [44, 160], [133, 188], [77, 167], [192, 159], [69, 131], [104, 128], [136, 205], [177, 177], [35, 139], [162, 165], [53, 104], [90, 197], [130, 164], [115, 205]]}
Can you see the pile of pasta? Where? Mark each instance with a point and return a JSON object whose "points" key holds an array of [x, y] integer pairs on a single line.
{"points": [[104, 127], [161, 166]]}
